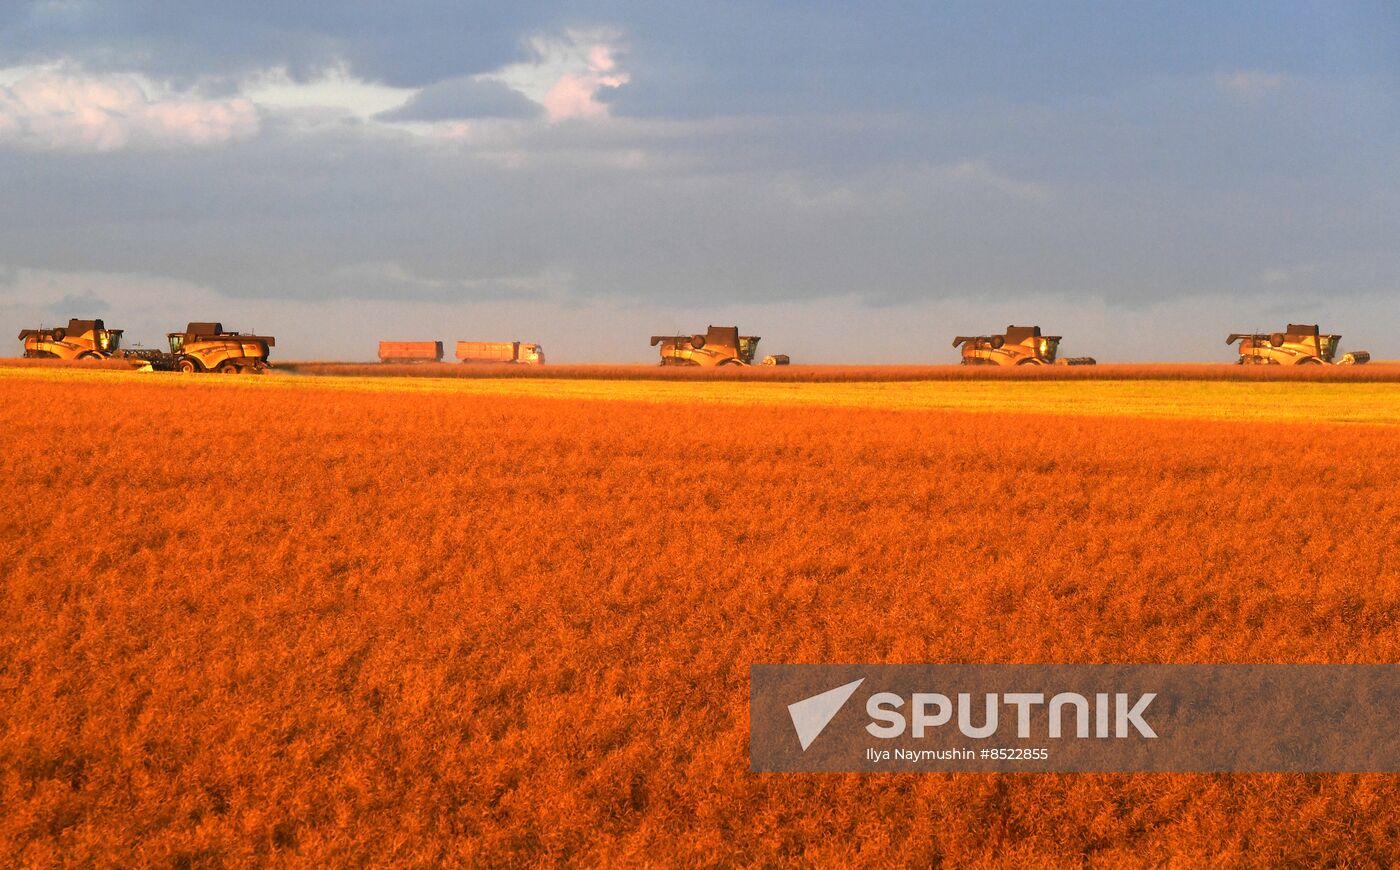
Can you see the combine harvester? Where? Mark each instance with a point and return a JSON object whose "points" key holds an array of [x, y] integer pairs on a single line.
{"points": [[719, 346], [81, 339], [516, 352], [208, 347], [202, 347], [1018, 346], [1301, 345], [410, 351]]}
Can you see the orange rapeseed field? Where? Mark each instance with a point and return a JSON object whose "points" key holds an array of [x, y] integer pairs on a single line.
{"points": [[269, 621]]}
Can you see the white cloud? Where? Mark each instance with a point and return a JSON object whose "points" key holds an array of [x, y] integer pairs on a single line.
{"points": [[1297, 274], [51, 109], [983, 174], [378, 276], [1250, 84], [336, 91], [568, 73], [565, 75]]}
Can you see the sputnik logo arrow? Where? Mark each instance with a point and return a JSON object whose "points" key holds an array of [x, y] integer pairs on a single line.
{"points": [[810, 716]]}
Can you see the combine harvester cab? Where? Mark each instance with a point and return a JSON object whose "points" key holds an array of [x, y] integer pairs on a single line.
{"points": [[1302, 344], [410, 351], [516, 352], [81, 339], [1018, 346], [719, 346], [208, 347]]}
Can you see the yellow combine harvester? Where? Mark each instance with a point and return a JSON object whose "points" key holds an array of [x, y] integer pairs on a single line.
{"points": [[202, 347], [208, 347], [1018, 346], [719, 346], [81, 339], [1300, 345]]}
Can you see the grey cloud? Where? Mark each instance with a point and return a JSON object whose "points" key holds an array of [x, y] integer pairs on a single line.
{"points": [[408, 43], [729, 179], [708, 60], [682, 214], [461, 98], [85, 304]]}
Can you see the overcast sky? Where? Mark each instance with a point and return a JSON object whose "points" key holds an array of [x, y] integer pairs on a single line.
{"points": [[854, 182]]}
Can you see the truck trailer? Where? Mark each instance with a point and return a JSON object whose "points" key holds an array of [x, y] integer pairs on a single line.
{"points": [[410, 351], [519, 352]]}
